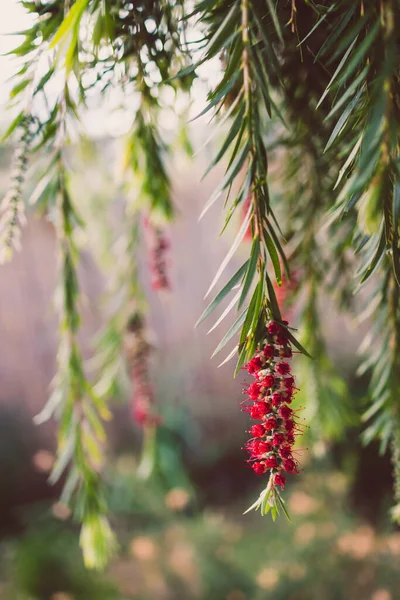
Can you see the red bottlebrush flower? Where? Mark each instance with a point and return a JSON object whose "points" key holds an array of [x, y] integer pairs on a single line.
{"points": [[269, 351], [271, 462], [289, 425], [273, 438], [276, 398], [278, 439], [254, 365], [268, 381], [285, 451], [270, 423], [282, 368], [273, 328], [257, 430], [288, 382], [285, 412], [259, 468], [253, 390], [290, 466], [279, 480]]}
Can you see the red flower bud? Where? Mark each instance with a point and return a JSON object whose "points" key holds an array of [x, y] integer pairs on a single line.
{"points": [[281, 338], [278, 439], [282, 368], [263, 447], [285, 412], [273, 328], [290, 437], [288, 382], [276, 398], [289, 425], [290, 466], [257, 431], [253, 390], [259, 410], [269, 351], [270, 423], [287, 352], [271, 462], [268, 381], [279, 480], [285, 451], [259, 468], [254, 365]]}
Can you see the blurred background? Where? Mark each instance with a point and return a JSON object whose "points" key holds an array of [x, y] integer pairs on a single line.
{"points": [[182, 534]]}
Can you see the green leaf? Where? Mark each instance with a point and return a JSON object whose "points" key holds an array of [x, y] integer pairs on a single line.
{"points": [[379, 254], [224, 33], [68, 23], [252, 267], [396, 202], [349, 92], [343, 119], [252, 313], [235, 327], [16, 123], [17, 89], [234, 130], [275, 20], [226, 312], [349, 160], [274, 257], [282, 504], [297, 344], [224, 292], [234, 247], [241, 360], [336, 73], [360, 52]]}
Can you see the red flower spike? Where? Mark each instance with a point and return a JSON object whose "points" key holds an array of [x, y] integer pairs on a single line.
{"points": [[269, 396]]}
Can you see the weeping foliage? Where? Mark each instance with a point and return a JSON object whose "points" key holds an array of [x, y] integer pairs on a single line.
{"points": [[309, 99]]}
